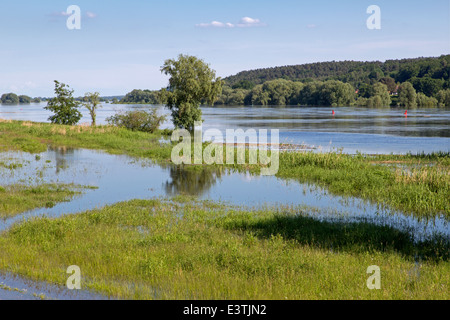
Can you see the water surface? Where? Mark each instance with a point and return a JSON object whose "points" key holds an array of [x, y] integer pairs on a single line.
{"points": [[122, 178], [367, 130]]}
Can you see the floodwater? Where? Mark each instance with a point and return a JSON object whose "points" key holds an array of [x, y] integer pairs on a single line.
{"points": [[367, 130], [121, 178]]}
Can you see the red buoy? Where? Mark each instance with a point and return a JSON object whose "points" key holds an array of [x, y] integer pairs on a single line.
{"points": [[333, 113], [406, 113]]}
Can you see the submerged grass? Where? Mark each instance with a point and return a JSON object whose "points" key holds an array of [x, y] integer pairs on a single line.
{"points": [[159, 249], [15, 199], [415, 184]]}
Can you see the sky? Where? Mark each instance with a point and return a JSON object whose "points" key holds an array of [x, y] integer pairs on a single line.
{"points": [[122, 45]]}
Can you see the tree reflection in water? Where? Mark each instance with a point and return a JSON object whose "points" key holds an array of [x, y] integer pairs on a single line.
{"points": [[61, 156], [193, 180]]}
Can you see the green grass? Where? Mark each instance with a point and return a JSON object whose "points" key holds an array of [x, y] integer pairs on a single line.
{"points": [[159, 249], [414, 187], [10, 165], [15, 199], [35, 137], [415, 184]]}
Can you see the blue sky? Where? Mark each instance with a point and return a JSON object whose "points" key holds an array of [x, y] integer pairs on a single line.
{"points": [[122, 44]]}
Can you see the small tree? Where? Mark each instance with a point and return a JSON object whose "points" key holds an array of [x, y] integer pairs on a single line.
{"points": [[191, 82], [92, 102], [64, 106]]}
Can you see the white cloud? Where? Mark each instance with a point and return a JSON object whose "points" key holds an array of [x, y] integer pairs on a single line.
{"points": [[250, 22], [245, 22], [215, 24], [91, 15]]}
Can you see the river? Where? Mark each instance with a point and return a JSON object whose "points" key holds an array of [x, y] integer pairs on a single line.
{"points": [[367, 130]]}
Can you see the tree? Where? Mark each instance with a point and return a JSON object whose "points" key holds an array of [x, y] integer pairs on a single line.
{"points": [[424, 101], [279, 91], [64, 106], [336, 93], [443, 97], [296, 88], [24, 99], [376, 74], [365, 90], [380, 91], [191, 82], [259, 97], [244, 84], [390, 83], [407, 96], [309, 95], [430, 87], [10, 98], [142, 96], [92, 102]]}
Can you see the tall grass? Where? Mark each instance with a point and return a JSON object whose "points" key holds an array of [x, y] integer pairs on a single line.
{"points": [[423, 191]]}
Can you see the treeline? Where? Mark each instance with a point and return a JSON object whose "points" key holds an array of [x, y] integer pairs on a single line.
{"points": [[422, 82], [331, 93], [314, 93], [12, 98], [142, 96], [427, 75]]}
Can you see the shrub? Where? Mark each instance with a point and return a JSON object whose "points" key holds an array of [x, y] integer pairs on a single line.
{"points": [[138, 120]]}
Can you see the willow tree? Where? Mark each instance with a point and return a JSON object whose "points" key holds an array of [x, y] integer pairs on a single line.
{"points": [[407, 96], [191, 83]]}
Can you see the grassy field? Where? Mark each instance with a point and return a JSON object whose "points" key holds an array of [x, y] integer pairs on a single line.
{"points": [[184, 249], [414, 184]]}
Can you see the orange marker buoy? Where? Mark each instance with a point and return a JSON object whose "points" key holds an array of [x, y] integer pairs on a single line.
{"points": [[406, 113], [333, 113]]}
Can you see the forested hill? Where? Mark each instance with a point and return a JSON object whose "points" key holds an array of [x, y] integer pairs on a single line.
{"points": [[419, 82], [353, 72]]}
